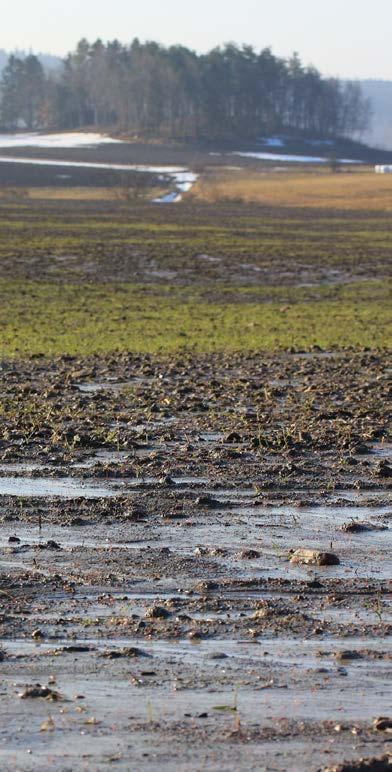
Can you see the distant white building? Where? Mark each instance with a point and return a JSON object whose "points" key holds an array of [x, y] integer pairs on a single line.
{"points": [[383, 169]]}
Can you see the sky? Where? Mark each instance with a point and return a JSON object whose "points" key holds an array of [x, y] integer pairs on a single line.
{"points": [[347, 38]]}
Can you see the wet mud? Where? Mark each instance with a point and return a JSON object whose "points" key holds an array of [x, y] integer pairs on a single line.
{"points": [[162, 595]]}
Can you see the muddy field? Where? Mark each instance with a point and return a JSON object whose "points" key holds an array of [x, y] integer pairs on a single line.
{"points": [[195, 562], [194, 542]]}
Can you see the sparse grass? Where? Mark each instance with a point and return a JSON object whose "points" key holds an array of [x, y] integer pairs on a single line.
{"points": [[82, 319], [88, 276], [106, 240], [355, 190]]}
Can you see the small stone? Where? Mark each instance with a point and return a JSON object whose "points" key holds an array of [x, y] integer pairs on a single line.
{"points": [[37, 634], [261, 613], [195, 635], [356, 527], [207, 586], [232, 437], [157, 612], [48, 725], [383, 469], [249, 554], [314, 557], [314, 584], [380, 764], [33, 692], [362, 449], [207, 501], [199, 551], [346, 655], [78, 521], [383, 724], [130, 652], [167, 480]]}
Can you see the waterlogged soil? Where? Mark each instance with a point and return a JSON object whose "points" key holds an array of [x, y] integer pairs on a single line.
{"points": [[150, 611], [219, 249]]}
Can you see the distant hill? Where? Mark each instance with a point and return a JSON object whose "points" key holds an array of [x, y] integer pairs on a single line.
{"points": [[48, 61], [380, 94]]}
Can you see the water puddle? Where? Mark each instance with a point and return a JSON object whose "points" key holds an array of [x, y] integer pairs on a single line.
{"points": [[301, 159], [20, 467], [309, 654], [92, 387], [211, 436], [105, 457], [66, 488]]}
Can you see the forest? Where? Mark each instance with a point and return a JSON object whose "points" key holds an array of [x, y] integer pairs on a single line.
{"points": [[145, 89]]}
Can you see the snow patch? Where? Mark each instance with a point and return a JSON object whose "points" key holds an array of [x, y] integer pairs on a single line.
{"points": [[66, 140], [272, 141], [169, 198], [301, 159], [182, 177]]}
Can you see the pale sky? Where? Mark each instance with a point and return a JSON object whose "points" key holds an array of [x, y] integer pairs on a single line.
{"points": [[349, 38]]}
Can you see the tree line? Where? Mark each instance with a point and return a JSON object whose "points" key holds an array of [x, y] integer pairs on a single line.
{"points": [[149, 90]]}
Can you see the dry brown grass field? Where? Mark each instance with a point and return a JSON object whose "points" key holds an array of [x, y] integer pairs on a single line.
{"points": [[347, 190], [80, 193]]}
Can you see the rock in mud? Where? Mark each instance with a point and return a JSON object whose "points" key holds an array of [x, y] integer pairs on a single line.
{"points": [[74, 649], [232, 438], [78, 521], [130, 652], [207, 501], [261, 613], [207, 586], [37, 634], [355, 527], [362, 449], [383, 469], [167, 480], [50, 545], [314, 558], [383, 724], [249, 554], [195, 635], [33, 692], [380, 764], [157, 612], [346, 655], [314, 584]]}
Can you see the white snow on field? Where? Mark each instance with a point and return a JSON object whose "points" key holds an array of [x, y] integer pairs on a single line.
{"points": [[181, 174], [182, 177], [169, 198], [300, 159], [65, 140], [272, 141]]}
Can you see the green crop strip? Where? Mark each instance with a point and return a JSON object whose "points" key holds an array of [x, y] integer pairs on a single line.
{"points": [[53, 318]]}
